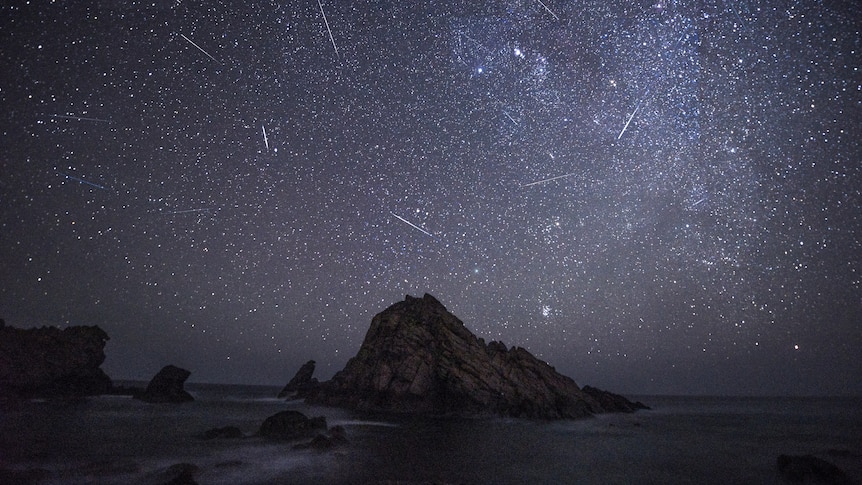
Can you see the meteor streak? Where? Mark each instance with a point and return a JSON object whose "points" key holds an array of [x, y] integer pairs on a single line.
{"points": [[510, 117], [265, 139], [328, 29], [81, 118], [549, 10], [82, 181], [630, 119], [200, 48], [186, 211], [414, 226], [549, 180]]}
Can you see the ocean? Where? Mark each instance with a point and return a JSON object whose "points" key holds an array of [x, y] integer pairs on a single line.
{"points": [[119, 440]]}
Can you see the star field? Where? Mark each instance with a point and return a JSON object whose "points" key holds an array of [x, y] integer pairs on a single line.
{"points": [[653, 197]]}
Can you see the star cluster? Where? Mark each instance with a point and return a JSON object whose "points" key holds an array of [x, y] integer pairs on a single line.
{"points": [[654, 197]]}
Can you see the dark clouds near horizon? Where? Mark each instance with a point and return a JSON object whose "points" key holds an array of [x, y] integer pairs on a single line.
{"points": [[658, 197]]}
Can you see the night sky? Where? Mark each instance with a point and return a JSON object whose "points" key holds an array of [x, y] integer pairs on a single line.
{"points": [[654, 197]]}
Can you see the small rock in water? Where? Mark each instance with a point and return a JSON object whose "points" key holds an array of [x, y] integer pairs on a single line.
{"points": [[338, 434], [320, 442], [291, 425], [179, 474], [301, 382], [226, 432], [334, 437], [167, 386]]}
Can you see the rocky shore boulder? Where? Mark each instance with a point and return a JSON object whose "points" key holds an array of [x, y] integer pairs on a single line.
{"points": [[52, 362], [167, 386], [301, 382], [418, 358], [291, 425]]}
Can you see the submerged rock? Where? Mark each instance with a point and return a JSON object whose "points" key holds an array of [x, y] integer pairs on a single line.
{"points": [[809, 468], [167, 386], [291, 425], [419, 358], [52, 362], [226, 433], [179, 474], [334, 437], [27, 476], [301, 382]]}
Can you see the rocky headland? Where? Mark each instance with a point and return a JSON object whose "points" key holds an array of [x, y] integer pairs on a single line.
{"points": [[51, 362], [418, 358]]}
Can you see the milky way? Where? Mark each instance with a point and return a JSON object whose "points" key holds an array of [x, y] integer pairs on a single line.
{"points": [[653, 197]]}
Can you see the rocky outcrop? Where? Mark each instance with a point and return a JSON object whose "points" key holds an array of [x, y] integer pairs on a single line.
{"points": [[291, 425], [52, 362], [419, 358], [302, 382], [167, 386]]}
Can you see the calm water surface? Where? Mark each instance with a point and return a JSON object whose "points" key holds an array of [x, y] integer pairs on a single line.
{"points": [[682, 440]]}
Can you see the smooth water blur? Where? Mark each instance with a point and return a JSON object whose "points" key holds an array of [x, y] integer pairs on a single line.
{"points": [[682, 440]]}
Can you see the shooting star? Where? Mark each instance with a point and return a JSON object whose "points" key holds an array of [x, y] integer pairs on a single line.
{"points": [[187, 211], [510, 118], [549, 180], [630, 119], [82, 181], [549, 10], [200, 48], [265, 139], [332, 39], [414, 226], [81, 118]]}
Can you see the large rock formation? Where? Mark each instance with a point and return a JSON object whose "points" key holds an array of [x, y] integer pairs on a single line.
{"points": [[167, 386], [419, 358], [52, 362]]}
